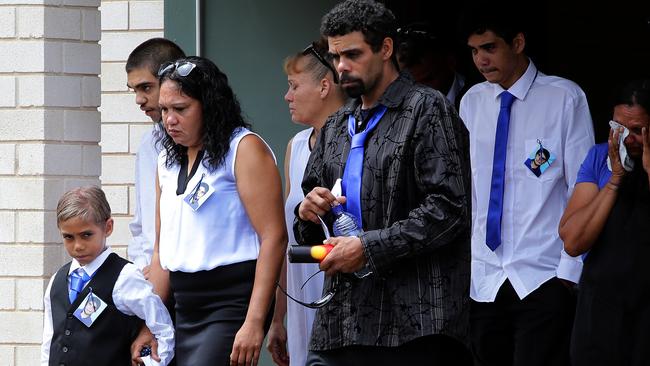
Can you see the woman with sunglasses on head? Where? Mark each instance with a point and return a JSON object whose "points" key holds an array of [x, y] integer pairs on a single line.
{"points": [[219, 253], [313, 94]]}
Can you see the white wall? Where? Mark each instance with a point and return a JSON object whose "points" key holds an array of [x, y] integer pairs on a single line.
{"points": [[49, 134], [125, 24], [50, 129]]}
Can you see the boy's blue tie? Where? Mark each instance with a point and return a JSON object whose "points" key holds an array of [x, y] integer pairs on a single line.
{"points": [[78, 279], [495, 208]]}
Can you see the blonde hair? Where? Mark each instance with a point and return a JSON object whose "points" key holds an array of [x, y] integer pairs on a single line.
{"points": [[312, 65], [87, 203]]}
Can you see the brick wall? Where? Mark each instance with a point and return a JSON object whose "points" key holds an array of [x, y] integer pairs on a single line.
{"points": [[49, 134], [50, 129], [125, 24]]}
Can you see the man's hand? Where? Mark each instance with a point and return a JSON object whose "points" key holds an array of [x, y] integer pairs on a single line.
{"points": [[277, 344], [347, 255], [316, 203], [144, 338]]}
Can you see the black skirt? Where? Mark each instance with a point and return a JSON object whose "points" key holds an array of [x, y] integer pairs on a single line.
{"points": [[210, 308]]}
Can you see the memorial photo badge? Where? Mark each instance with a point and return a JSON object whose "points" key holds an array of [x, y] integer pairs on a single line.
{"points": [[539, 159], [201, 192], [89, 309]]}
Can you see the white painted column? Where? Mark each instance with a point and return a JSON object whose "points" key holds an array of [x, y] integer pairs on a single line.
{"points": [[125, 24], [49, 134]]}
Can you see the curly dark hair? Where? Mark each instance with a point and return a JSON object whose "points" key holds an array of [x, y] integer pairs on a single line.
{"points": [[371, 18], [221, 110]]}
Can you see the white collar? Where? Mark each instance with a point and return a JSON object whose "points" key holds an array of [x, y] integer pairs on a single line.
{"points": [[93, 266], [521, 87]]}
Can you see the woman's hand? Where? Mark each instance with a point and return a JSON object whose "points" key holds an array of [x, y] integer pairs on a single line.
{"points": [[614, 157], [277, 343], [646, 151], [246, 348]]}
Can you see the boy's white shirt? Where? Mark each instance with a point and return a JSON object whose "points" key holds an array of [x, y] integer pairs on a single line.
{"points": [[132, 295]]}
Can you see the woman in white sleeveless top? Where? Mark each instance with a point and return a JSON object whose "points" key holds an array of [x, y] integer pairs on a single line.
{"points": [[312, 96], [220, 236]]}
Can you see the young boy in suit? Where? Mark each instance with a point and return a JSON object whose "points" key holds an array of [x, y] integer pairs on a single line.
{"points": [[96, 278]]}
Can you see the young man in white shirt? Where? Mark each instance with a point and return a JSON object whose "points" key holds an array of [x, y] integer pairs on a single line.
{"points": [[142, 73], [522, 303], [142, 68]]}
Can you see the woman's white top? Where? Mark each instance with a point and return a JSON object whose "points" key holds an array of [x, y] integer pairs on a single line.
{"points": [[299, 318], [219, 232]]}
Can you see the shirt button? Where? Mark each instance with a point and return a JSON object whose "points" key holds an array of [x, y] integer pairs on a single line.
{"points": [[347, 284], [67, 332], [69, 315], [65, 349]]}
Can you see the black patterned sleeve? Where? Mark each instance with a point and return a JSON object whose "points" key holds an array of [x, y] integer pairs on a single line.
{"points": [[442, 176]]}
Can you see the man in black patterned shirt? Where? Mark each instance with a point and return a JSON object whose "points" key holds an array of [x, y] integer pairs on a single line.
{"points": [[414, 205]]}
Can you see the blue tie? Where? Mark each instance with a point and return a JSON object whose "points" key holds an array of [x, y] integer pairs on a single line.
{"points": [[78, 279], [495, 208], [354, 165]]}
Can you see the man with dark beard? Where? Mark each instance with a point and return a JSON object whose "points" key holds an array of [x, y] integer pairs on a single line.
{"points": [[402, 153]]}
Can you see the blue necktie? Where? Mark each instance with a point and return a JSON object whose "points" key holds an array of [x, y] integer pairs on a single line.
{"points": [[354, 165], [495, 208], [78, 279]]}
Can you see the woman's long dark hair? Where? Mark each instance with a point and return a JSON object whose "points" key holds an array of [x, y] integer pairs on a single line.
{"points": [[221, 110]]}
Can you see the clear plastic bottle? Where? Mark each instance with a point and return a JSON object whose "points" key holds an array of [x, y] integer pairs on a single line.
{"points": [[345, 224]]}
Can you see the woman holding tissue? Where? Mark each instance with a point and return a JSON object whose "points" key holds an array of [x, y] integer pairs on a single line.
{"points": [[608, 216], [220, 236], [590, 204]]}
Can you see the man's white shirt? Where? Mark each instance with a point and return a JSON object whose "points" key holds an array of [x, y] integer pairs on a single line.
{"points": [[143, 225], [547, 110]]}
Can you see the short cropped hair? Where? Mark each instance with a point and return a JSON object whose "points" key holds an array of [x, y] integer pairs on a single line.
{"points": [[369, 17], [312, 65], [87, 203], [152, 53], [504, 21]]}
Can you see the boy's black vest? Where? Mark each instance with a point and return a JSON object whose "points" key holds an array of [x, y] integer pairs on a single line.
{"points": [[108, 340]]}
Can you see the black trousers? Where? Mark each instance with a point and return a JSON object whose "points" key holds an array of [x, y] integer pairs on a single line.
{"points": [[434, 350], [523, 332]]}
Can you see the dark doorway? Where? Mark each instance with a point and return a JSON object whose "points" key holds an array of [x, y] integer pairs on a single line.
{"points": [[596, 46]]}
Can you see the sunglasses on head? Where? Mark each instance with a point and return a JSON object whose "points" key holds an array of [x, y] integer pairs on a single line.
{"points": [[324, 300], [312, 50], [182, 68], [410, 32]]}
